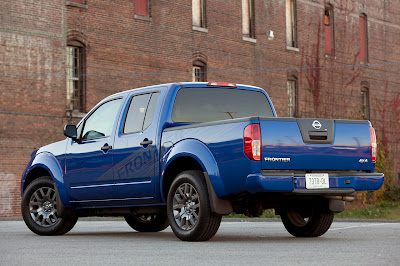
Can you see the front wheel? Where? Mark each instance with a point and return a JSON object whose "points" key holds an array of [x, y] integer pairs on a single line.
{"points": [[39, 209], [307, 220], [189, 210]]}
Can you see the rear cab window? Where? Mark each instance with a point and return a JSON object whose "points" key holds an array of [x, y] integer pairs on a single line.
{"points": [[196, 105]]}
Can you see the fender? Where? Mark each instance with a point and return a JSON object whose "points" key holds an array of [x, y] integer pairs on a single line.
{"points": [[200, 152], [48, 162]]}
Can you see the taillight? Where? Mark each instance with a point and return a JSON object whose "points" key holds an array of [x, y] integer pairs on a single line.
{"points": [[252, 142], [373, 144]]}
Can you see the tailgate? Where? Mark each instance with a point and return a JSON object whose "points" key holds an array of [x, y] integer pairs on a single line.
{"points": [[315, 144]]}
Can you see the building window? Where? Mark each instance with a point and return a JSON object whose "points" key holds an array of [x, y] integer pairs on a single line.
{"points": [[199, 71], [291, 24], [142, 8], [363, 39], [199, 13], [75, 77], [329, 30], [365, 103], [292, 96], [248, 18]]}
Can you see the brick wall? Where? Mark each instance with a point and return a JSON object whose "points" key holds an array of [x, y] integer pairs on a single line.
{"points": [[120, 48], [32, 105]]}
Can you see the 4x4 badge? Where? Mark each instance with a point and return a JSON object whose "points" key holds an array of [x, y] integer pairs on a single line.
{"points": [[316, 124]]}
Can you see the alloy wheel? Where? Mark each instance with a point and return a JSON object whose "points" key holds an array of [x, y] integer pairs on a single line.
{"points": [[186, 206]]}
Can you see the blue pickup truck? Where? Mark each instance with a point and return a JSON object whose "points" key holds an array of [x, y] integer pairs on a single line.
{"points": [[185, 154]]}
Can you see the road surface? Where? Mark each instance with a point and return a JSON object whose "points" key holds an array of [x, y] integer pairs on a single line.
{"points": [[236, 243]]}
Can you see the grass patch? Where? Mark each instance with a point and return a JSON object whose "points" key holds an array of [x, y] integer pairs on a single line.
{"points": [[384, 210]]}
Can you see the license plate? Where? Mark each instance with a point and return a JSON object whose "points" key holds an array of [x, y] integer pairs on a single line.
{"points": [[317, 181]]}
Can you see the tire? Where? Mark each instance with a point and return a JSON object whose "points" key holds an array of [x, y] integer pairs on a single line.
{"points": [[189, 210], [39, 209], [148, 222], [311, 220]]}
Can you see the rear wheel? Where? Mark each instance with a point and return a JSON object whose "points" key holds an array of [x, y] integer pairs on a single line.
{"points": [[148, 222], [189, 210], [39, 209], [310, 220]]}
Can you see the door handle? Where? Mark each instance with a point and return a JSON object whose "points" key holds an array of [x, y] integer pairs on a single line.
{"points": [[106, 147], [146, 142]]}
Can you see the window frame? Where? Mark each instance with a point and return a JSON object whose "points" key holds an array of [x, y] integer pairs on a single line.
{"points": [[294, 80], [365, 103], [249, 31], [331, 25], [148, 9], [364, 41], [202, 11], [291, 24], [81, 77], [203, 70], [83, 124]]}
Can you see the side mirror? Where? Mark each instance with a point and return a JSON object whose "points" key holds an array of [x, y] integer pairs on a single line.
{"points": [[71, 132]]}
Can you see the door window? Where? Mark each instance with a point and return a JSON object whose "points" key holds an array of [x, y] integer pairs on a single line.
{"points": [[101, 122], [140, 113], [150, 110]]}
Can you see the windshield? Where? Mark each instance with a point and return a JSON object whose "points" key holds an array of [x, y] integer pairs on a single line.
{"points": [[194, 105]]}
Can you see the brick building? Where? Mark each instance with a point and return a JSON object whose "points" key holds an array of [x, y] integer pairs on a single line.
{"points": [[315, 58]]}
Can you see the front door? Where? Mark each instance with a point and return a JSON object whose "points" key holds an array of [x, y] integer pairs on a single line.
{"points": [[89, 175], [135, 162]]}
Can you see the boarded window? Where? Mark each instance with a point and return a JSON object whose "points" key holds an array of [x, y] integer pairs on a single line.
{"points": [[142, 7], [329, 31], [291, 24], [248, 22], [75, 77], [363, 39], [199, 13], [292, 97]]}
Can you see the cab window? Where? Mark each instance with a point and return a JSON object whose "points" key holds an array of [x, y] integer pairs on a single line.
{"points": [[100, 123]]}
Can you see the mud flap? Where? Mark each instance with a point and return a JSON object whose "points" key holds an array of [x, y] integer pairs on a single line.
{"points": [[218, 206]]}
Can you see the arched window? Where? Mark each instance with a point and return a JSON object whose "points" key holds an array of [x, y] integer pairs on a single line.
{"points": [[365, 103], [199, 71], [292, 96], [76, 79]]}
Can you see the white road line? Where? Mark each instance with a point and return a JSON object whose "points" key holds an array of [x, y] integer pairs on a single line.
{"points": [[357, 226]]}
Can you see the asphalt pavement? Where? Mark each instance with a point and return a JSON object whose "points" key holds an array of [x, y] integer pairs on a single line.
{"points": [[238, 242]]}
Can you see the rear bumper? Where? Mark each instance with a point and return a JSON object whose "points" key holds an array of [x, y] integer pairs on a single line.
{"points": [[340, 183]]}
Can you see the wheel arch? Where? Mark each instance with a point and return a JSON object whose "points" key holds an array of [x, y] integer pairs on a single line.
{"points": [[181, 158], [45, 164]]}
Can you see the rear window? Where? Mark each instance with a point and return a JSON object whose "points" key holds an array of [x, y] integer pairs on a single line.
{"points": [[194, 105]]}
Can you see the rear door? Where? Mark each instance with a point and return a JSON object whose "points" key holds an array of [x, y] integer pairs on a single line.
{"points": [[315, 144], [135, 157]]}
